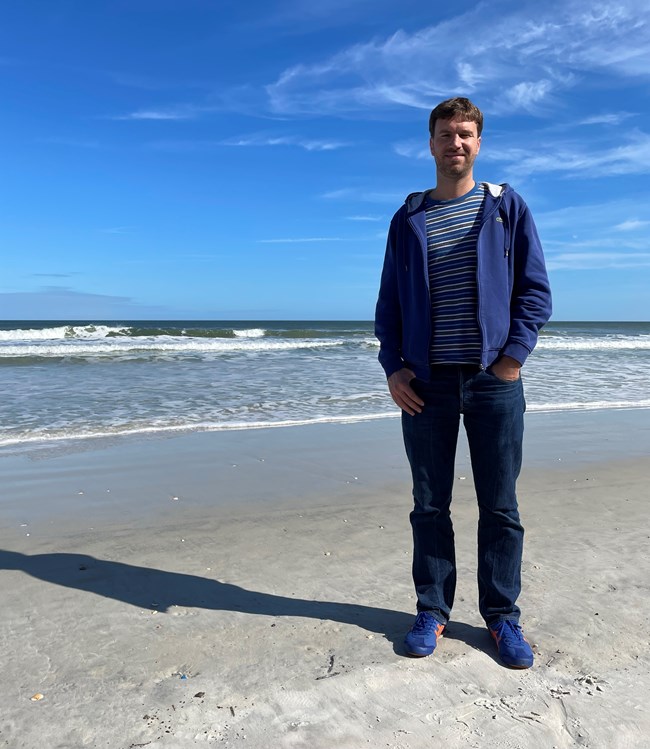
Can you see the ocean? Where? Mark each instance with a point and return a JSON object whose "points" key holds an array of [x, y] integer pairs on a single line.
{"points": [[67, 380]]}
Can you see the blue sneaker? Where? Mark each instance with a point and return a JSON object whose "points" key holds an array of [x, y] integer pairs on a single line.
{"points": [[423, 636], [513, 649]]}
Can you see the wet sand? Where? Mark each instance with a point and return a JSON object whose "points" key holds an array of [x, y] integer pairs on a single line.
{"points": [[252, 589]]}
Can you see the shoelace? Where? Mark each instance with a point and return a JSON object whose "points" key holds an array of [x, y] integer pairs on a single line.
{"points": [[510, 632], [424, 623]]}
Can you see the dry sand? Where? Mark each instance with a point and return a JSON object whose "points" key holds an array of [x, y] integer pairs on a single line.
{"points": [[252, 589]]}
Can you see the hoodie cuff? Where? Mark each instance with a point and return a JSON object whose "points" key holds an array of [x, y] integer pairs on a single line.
{"points": [[516, 351], [391, 363]]}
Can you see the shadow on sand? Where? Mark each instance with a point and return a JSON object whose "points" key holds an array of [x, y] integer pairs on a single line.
{"points": [[149, 588]]}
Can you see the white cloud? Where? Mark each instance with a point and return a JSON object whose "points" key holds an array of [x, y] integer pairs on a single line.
{"points": [[576, 158], [259, 139], [253, 141], [156, 114], [183, 111], [597, 218], [470, 74], [412, 150], [598, 261], [596, 236], [567, 158], [365, 218], [613, 118], [528, 94], [631, 225], [517, 58]]}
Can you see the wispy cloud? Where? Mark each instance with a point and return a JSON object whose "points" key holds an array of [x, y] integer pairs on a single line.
{"points": [[577, 158], [259, 139], [599, 218], [412, 149], [186, 113], [252, 141], [178, 111], [243, 99], [518, 59], [597, 236], [365, 218], [528, 95], [632, 225], [613, 118], [598, 260]]}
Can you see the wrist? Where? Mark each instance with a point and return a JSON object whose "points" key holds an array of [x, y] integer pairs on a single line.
{"points": [[508, 361]]}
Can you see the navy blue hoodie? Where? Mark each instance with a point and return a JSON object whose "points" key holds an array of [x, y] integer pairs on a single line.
{"points": [[514, 297]]}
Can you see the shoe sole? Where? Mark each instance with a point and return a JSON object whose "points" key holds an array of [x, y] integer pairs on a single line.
{"points": [[517, 667], [420, 655]]}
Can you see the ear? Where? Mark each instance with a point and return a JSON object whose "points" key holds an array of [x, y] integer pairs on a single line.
{"points": [[478, 144], [431, 147]]}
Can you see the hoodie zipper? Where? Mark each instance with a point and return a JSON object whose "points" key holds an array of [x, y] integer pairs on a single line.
{"points": [[478, 266]]}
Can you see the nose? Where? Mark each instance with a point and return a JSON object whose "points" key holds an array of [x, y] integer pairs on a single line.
{"points": [[456, 141]]}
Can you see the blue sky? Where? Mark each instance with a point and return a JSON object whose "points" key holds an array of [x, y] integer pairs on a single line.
{"points": [[227, 160]]}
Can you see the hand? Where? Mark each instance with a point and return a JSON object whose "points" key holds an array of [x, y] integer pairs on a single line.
{"points": [[399, 384], [506, 368]]}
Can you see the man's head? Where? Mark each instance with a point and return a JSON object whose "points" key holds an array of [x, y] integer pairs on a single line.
{"points": [[457, 108], [455, 126]]}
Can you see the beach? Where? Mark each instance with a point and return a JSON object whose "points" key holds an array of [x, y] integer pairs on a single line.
{"points": [[252, 588]]}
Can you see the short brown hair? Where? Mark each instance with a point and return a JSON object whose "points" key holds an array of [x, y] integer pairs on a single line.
{"points": [[456, 108]]}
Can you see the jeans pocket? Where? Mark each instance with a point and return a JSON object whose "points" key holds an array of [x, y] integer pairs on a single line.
{"points": [[489, 372]]}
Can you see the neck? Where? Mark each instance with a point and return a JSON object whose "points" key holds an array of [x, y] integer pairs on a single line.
{"points": [[448, 189]]}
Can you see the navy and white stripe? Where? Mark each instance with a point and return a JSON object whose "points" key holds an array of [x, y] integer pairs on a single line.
{"points": [[452, 233]]}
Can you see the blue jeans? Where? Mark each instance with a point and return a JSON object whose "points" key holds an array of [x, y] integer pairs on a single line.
{"points": [[493, 415]]}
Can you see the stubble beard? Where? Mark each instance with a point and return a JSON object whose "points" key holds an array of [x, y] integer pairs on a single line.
{"points": [[456, 170]]}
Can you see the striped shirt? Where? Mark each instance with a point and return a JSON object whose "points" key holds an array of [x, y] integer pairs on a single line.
{"points": [[452, 233]]}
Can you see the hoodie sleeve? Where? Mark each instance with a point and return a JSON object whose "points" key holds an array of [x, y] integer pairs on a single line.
{"points": [[388, 315], [530, 304]]}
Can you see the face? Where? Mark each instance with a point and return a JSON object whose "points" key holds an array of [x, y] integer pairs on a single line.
{"points": [[454, 146]]}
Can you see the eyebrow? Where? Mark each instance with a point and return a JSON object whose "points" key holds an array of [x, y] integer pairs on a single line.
{"points": [[464, 131]]}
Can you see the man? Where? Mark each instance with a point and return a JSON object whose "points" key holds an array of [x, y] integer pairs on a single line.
{"points": [[463, 294]]}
